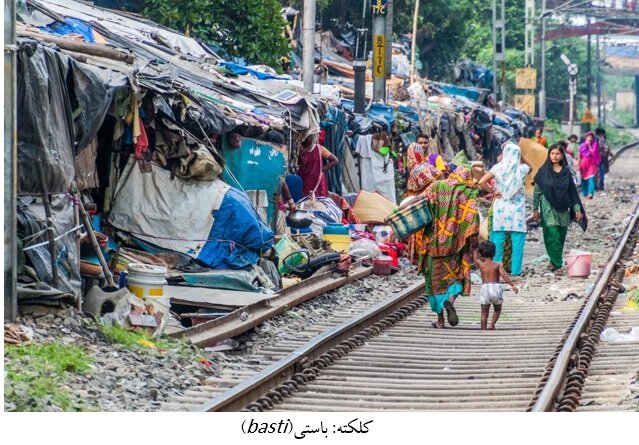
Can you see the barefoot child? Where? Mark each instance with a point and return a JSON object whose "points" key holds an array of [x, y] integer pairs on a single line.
{"points": [[491, 289]]}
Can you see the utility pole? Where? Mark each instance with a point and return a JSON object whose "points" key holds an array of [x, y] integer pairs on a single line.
{"points": [[636, 101], [414, 43], [308, 38], [589, 76], [379, 9], [499, 47], [542, 89], [10, 162], [389, 39], [597, 57], [529, 34], [359, 67]]}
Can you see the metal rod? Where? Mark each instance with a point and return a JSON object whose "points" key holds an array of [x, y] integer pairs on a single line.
{"points": [[546, 400], [49, 220], [308, 37], [10, 163]]}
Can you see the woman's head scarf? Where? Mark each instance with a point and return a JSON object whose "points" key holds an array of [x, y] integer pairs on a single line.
{"points": [[421, 176], [559, 187], [461, 175], [509, 173]]}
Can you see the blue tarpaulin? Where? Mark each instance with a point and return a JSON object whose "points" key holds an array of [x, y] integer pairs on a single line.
{"points": [[71, 26], [409, 114], [377, 111], [241, 70], [468, 92], [237, 236]]}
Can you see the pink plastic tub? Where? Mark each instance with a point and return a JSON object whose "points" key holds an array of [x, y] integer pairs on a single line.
{"points": [[578, 264]]}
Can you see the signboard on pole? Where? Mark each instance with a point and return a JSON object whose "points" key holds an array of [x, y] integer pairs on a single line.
{"points": [[526, 78], [588, 117], [379, 7], [526, 103], [379, 56]]}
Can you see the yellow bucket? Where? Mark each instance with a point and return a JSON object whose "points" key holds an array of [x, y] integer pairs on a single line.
{"points": [[146, 280]]}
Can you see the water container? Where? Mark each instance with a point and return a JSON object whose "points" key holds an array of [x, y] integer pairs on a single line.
{"points": [[339, 236], [578, 264], [146, 280]]}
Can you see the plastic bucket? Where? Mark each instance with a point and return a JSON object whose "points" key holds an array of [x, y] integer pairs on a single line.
{"points": [[578, 264], [382, 265], [146, 280], [338, 235]]}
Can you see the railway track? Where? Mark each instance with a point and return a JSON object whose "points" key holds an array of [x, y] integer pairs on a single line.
{"points": [[543, 357]]}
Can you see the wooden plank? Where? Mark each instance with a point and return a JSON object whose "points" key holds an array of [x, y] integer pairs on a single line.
{"points": [[213, 298]]}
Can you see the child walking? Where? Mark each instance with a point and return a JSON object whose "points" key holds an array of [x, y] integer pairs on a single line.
{"points": [[491, 289]]}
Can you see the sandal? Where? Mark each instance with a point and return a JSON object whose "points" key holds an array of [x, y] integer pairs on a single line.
{"points": [[434, 324], [451, 314]]}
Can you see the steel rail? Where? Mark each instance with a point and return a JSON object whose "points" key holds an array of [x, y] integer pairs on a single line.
{"points": [[247, 317], [247, 392], [546, 400], [619, 152]]}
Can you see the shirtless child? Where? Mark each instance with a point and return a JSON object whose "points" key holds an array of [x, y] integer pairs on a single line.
{"points": [[491, 289]]}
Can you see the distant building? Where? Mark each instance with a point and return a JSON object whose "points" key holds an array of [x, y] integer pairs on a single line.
{"points": [[625, 100]]}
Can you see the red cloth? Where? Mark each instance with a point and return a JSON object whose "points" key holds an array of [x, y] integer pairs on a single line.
{"points": [[142, 144], [310, 171]]}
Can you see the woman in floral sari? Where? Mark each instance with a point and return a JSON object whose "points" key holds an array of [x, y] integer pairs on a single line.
{"points": [[446, 249], [422, 174]]}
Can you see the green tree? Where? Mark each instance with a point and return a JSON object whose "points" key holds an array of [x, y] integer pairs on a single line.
{"points": [[252, 29]]}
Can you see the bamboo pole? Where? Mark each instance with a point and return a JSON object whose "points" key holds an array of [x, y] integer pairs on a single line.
{"points": [[94, 49]]}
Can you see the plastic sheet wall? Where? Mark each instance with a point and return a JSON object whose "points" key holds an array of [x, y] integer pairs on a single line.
{"points": [[256, 165], [61, 105]]}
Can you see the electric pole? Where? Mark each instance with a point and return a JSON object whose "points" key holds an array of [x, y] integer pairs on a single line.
{"points": [[499, 47], [379, 9], [542, 89], [589, 76], [10, 162], [308, 37]]}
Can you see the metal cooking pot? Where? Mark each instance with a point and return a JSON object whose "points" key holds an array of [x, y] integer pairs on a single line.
{"points": [[299, 219]]}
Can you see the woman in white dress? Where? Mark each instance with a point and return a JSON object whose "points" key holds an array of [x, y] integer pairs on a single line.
{"points": [[509, 207]]}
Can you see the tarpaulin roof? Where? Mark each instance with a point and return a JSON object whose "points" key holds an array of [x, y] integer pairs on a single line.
{"points": [[170, 63]]}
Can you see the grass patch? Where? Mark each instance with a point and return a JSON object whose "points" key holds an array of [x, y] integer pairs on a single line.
{"points": [[141, 340], [35, 375]]}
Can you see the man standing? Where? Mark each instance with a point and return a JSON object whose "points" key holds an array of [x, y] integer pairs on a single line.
{"points": [[604, 153]]}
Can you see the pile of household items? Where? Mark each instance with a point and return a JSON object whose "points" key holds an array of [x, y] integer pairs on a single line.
{"points": [[150, 170]]}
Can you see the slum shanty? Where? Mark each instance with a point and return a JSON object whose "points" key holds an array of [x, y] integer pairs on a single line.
{"points": [[195, 202], [167, 156]]}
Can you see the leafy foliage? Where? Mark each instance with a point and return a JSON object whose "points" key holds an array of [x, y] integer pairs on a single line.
{"points": [[252, 29]]}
